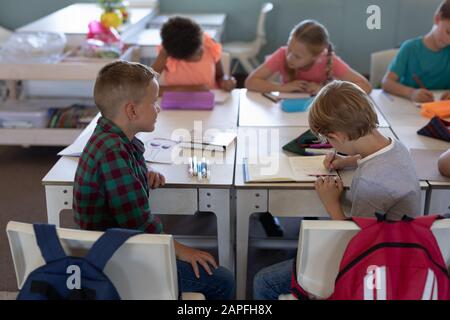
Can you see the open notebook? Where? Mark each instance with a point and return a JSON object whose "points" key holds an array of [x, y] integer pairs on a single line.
{"points": [[300, 169], [218, 141]]}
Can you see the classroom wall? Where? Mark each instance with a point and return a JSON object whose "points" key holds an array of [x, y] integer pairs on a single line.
{"points": [[345, 20]]}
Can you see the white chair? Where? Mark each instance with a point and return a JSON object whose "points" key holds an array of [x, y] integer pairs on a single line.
{"points": [[246, 52], [379, 63], [322, 245], [4, 35], [143, 268], [226, 63]]}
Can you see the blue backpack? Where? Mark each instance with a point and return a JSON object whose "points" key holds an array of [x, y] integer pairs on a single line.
{"points": [[73, 278]]}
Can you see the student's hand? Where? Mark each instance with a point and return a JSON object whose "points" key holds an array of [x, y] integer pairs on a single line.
{"points": [[422, 95], [313, 88], [329, 190], [337, 162], [156, 179], [227, 84], [294, 86], [195, 257], [446, 96]]}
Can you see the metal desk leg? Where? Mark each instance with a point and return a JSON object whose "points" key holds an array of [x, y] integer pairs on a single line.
{"points": [[58, 198], [218, 201], [247, 203]]}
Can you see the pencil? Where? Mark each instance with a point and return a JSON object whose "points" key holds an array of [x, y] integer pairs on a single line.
{"points": [[334, 156]]}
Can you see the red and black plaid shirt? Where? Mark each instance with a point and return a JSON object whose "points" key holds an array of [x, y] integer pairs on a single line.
{"points": [[111, 187]]}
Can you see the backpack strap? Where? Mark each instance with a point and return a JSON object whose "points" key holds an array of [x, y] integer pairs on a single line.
{"points": [[104, 248], [427, 221], [48, 242]]}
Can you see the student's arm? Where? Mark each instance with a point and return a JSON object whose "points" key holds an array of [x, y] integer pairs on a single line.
{"points": [[445, 96], [329, 190], [259, 81], [444, 163], [337, 162], [160, 61], [390, 84], [224, 81], [194, 257], [358, 79]]}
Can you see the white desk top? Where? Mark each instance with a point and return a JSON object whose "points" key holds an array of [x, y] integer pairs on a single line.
{"points": [[258, 111], [74, 19], [152, 38], [252, 139], [256, 142], [405, 119], [205, 20], [222, 164]]}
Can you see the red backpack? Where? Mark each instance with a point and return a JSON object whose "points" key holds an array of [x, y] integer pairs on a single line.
{"points": [[389, 260]]}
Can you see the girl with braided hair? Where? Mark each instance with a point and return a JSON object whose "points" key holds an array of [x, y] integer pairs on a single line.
{"points": [[306, 64]]}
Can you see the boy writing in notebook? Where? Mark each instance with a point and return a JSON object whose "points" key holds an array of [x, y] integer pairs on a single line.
{"points": [[112, 182], [385, 180], [423, 64]]}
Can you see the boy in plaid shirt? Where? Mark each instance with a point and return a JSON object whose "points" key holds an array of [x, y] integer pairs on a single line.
{"points": [[112, 182]]}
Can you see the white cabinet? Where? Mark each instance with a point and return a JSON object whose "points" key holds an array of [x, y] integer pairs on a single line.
{"points": [[81, 70]]}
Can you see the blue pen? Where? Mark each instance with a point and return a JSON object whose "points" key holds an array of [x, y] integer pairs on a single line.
{"points": [[203, 168], [208, 170], [195, 165]]}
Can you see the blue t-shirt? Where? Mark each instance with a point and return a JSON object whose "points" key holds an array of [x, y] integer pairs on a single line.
{"points": [[432, 68]]}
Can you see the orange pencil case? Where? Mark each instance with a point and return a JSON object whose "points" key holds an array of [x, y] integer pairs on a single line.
{"points": [[437, 108]]}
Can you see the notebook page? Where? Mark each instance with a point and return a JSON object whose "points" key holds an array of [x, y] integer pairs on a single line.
{"points": [[308, 168]]}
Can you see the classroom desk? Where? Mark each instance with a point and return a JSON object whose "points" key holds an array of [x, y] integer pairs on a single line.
{"points": [[280, 199], [258, 111], [405, 119], [73, 21], [182, 194]]}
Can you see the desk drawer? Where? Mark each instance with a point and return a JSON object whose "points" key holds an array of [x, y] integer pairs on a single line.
{"points": [[296, 203], [439, 201], [173, 201]]}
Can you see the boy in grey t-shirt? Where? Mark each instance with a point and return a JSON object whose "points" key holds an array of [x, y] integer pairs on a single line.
{"points": [[385, 180]]}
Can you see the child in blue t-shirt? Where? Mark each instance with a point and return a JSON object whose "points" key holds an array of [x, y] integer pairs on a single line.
{"points": [[423, 63]]}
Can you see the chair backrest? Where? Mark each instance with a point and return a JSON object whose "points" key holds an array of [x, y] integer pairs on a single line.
{"points": [[226, 63], [379, 64], [143, 268], [4, 35], [322, 245], [260, 28]]}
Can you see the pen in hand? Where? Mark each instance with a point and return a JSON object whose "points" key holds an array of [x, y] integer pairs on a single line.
{"points": [[330, 167]]}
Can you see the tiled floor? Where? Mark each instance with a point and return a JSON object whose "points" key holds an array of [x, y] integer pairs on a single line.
{"points": [[5, 295]]}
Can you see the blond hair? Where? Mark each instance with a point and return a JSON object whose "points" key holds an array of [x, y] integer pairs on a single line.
{"points": [[315, 36], [342, 106], [119, 82]]}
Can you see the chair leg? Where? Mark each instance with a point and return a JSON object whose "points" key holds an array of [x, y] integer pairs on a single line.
{"points": [[255, 62], [234, 67], [246, 64]]}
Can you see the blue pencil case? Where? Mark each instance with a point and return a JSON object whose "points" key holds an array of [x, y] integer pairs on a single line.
{"points": [[296, 105]]}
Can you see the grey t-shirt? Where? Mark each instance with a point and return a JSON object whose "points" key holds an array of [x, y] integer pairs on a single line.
{"points": [[386, 182]]}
